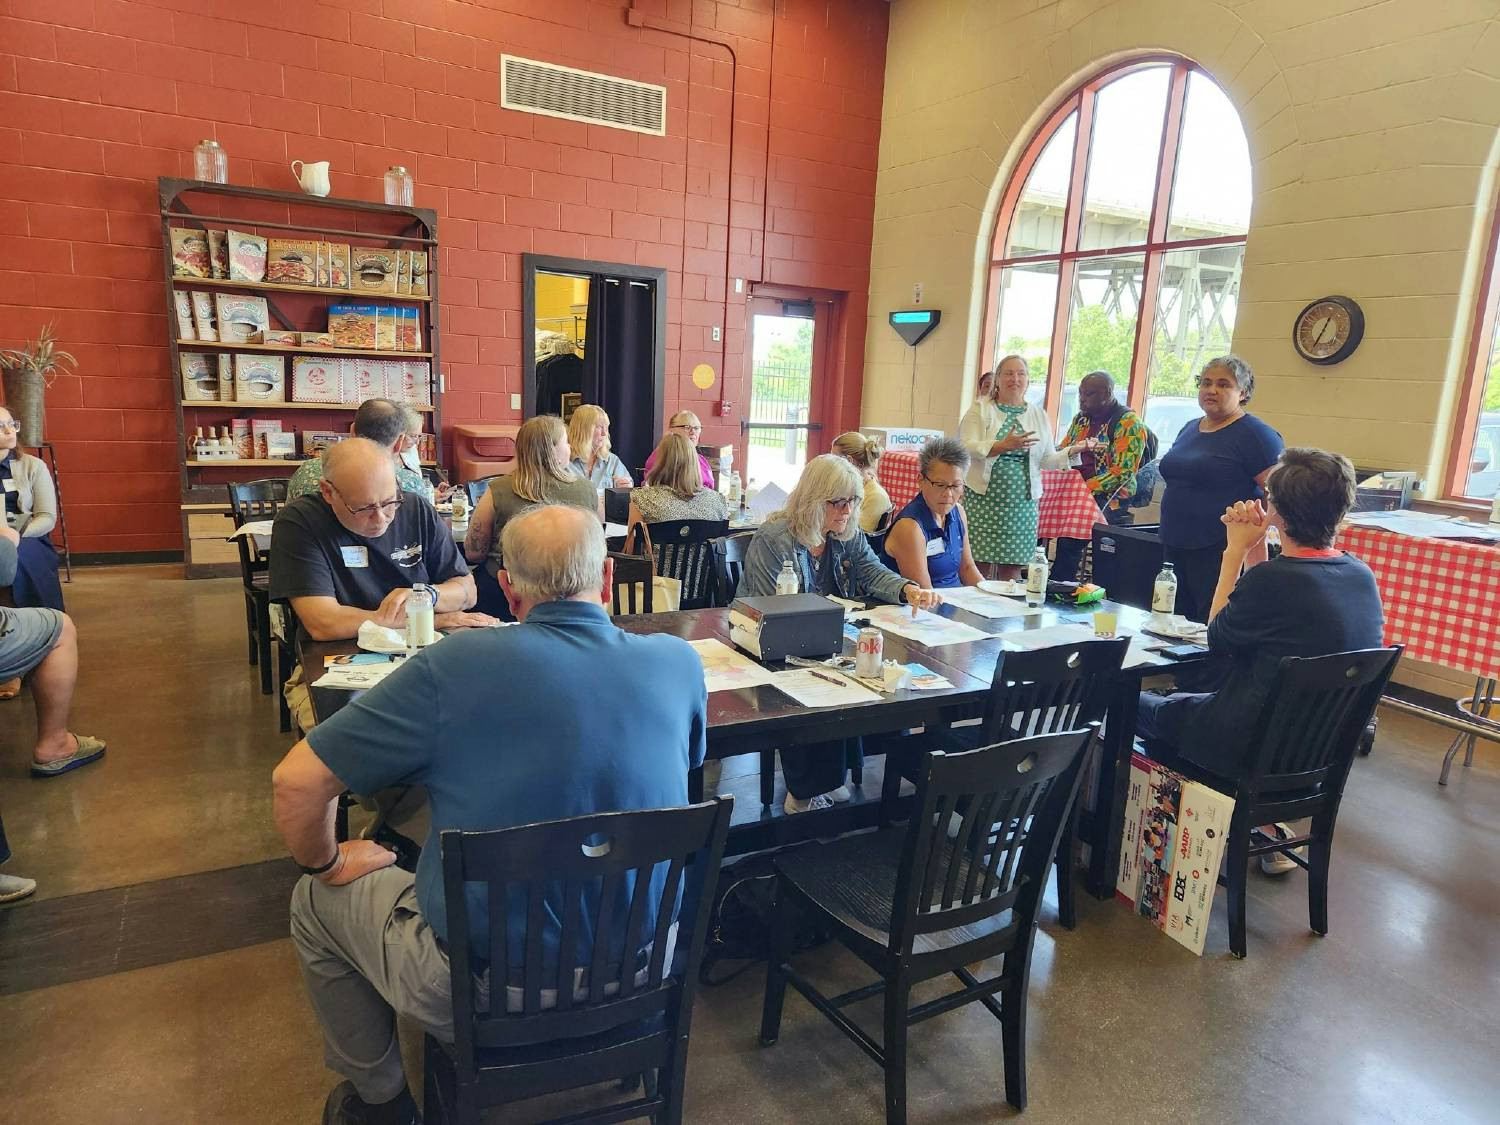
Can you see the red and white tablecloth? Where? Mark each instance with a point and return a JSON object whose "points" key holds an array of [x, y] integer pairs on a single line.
{"points": [[1067, 507], [1441, 597]]}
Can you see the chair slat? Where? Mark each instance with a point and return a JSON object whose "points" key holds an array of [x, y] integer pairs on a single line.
{"points": [[567, 942], [497, 913], [659, 937], [608, 892], [536, 918], [634, 925]]}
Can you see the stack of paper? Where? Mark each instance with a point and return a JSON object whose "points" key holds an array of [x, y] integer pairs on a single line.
{"points": [[924, 628], [971, 599], [822, 689], [725, 668]]}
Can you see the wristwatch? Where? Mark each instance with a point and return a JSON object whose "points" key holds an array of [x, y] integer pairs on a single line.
{"points": [[337, 852]]}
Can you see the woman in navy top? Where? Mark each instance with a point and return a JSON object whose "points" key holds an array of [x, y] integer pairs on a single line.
{"points": [[1216, 461], [929, 538]]}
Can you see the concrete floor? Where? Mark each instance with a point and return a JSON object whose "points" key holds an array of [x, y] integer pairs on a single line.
{"points": [[1395, 1016]]}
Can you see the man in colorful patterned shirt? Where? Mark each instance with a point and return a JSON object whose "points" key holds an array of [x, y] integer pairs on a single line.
{"points": [[1109, 465], [390, 424]]}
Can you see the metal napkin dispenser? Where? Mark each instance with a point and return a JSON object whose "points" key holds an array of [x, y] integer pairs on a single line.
{"points": [[773, 628]]}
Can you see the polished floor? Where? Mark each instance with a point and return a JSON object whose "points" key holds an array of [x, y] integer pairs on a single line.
{"points": [[149, 979]]}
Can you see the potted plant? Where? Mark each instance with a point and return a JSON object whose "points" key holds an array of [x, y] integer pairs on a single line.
{"points": [[27, 373]]}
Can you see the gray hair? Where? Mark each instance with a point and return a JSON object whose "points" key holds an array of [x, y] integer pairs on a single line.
{"points": [[828, 477], [1244, 378], [411, 421], [553, 552], [950, 451]]}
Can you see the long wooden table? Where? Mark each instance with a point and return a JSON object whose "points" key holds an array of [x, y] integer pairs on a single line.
{"points": [[750, 720]]}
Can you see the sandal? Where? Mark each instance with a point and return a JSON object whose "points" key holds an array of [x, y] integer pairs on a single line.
{"points": [[9, 689], [90, 749]]}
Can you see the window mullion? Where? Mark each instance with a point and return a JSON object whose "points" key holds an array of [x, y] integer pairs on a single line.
{"points": [[1480, 348], [1145, 330], [1166, 163]]}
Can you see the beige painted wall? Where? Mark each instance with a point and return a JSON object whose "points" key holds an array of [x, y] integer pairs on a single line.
{"points": [[1372, 130]]}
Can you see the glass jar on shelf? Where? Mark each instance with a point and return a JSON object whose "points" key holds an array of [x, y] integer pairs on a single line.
{"points": [[398, 186], [210, 162]]}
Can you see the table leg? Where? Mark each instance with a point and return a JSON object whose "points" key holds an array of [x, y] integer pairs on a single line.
{"points": [[1114, 781]]}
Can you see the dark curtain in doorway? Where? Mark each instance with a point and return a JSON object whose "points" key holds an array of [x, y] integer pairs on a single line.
{"points": [[618, 365]]}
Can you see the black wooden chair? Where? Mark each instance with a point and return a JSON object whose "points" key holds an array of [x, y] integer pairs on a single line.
{"points": [[729, 564], [1041, 692], [1303, 747], [915, 905], [588, 1013], [250, 501], [631, 589], [284, 630], [684, 551]]}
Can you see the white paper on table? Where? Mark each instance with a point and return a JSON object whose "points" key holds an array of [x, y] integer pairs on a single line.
{"points": [[767, 500], [355, 677], [1030, 640], [1406, 522], [725, 668], [614, 530], [925, 628], [1139, 652], [976, 601], [813, 690], [261, 529]]}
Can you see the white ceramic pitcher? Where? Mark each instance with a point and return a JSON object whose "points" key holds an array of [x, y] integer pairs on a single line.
{"points": [[313, 176]]}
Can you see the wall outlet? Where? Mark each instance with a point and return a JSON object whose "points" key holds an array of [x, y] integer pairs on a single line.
{"points": [[515, 402], [916, 293], [718, 333], [739, 285]]}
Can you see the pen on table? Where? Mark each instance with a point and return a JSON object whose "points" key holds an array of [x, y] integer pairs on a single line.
{"points": [[834, 680]]}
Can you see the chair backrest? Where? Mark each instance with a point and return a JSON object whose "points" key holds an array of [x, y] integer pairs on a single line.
{"points": [[1011, 800], [729, 564], [607, 888], [1314, 715], [249, 501], [684, 551], [630, 590], [477, 488], [1051, 689]]}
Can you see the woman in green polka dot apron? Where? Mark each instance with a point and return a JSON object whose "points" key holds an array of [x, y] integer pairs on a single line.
{"points": [[1010, 441]]}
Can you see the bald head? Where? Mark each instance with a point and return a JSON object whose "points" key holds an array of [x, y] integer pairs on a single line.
{"points": [[357, 460], [359, 484], [553, 552], [1096, 395]]}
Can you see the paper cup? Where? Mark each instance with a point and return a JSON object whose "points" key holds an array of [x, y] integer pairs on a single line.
{"points": [[1106, 621]]}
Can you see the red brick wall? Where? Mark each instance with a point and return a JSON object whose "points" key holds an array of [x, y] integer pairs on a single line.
{"points": [[99, 97]]}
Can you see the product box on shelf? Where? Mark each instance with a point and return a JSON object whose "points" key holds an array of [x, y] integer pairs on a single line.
{"points": [[226, 377], [317, 379], [364, 378], [419, 273], [416, 382], [242, 319], [338, 265], [352, 326], [292, 261], [247, 256], [372, 269], [199, 379], [316, 340], [427, 448], [403, 271], [314, 442], [218, 252], [190, 253], [410, 330], [260, 378], [203, 317], [387, 328], [182, 305], [243, 437], [281, 337], [281, 444], [259, 428]]}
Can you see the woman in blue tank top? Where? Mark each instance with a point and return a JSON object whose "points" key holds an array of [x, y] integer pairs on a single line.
{"points": [[929, 539]]}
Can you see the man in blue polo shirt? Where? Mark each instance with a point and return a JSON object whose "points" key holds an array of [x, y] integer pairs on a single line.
{"points": [[562, 715]]}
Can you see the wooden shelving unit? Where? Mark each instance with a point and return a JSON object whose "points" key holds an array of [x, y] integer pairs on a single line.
{"points": [[194, 203]]}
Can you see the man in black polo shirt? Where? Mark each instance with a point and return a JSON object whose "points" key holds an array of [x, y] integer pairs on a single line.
{"points": [[352, 551]]}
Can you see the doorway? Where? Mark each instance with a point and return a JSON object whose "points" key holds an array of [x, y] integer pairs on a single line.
{"points": [[782, 426], [595, 332]]}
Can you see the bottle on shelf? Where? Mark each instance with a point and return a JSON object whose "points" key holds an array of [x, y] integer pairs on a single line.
{"points": [[1036, 578], [211, 162], [226, 445], [197, 446], [398, 186], [1164, 592], [786, 581]]}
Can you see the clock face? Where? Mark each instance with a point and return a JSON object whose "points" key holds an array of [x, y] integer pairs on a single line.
{"points": [[1328, 330]]}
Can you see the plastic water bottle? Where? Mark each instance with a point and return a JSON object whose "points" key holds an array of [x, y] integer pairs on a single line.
{"points": [[736, 489], [786, 581], [1164, 592], [419, 623], [1036, 578]]}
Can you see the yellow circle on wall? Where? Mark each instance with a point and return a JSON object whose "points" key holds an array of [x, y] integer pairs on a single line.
{"points": [[703, 376]]}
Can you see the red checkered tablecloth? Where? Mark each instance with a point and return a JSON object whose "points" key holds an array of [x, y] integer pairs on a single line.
{"points": [[1067, 507], [1441, 597]]}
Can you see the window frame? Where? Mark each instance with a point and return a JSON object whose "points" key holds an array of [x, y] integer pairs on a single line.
{"points": [[1155, 248], [1471, 400]]}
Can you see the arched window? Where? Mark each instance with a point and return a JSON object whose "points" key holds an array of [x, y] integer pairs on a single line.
{"points": [[1474, 468], [1121, 239]]}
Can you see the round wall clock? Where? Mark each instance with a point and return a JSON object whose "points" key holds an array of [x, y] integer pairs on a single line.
{"points": [[1328, 330]]}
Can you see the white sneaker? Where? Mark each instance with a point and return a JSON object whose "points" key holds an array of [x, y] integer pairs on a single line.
{"points": [[839, 795], [1278, 863], [793, 806], [13, 887]]}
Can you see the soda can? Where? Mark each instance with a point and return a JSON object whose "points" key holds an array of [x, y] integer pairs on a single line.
{"points": [[869, 654]]}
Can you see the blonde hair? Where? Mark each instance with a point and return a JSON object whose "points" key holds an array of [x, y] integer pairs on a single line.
{"points": [[676, 467], [828, 477], [683, 418], [858, 449], [581, 432], [536, 460]]}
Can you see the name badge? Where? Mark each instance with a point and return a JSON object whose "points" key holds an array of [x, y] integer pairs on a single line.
{"points": [[355, 558], [935, 547]]}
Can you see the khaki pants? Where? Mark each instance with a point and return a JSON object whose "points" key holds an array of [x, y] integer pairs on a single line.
{"points": [[299, 700]]}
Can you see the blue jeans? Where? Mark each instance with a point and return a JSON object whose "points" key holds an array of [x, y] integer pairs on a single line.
{"points": [[4, 847]]}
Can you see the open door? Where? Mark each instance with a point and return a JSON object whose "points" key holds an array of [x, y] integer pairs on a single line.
{"points": [[782, 426]]}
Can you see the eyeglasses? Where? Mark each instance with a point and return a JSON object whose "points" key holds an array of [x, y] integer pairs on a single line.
{"points": [[956, 486], [11, 427], [688, 429], [385, 507], [843, 503]]}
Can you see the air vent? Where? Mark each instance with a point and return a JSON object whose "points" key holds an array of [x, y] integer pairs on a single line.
{"points": [[581, 95]]}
